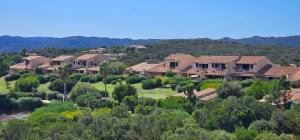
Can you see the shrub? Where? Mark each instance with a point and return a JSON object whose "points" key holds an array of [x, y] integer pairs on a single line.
{"points": [[150, 84], [113, 82], [210, 83], [174, 102], [259, 89], [246, 83], [100, 103], [43, 79], [295, 84], [7, 104], [122, 91], [26, 84], [77, 76], [133, 79], [227, 89], [51, 96], [263, 125], [245, 134], [120, 112], [58, 85], [141, 109], [12, 77], [101, 112], [170, 73], [146, 101], [91, 78], [116, 68], [110, 78], [53, 77], [17, 94], [85, 88], [83, 100], [267, 136], [29, 103], [38, 71], [41, 94]]}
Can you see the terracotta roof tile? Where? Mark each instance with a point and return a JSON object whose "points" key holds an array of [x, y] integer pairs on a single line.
{"points": [[32, 57], [180, 56], [86, 56], [217, 59], [142, 67], [277, 71], [250, 59], [62, 58]]}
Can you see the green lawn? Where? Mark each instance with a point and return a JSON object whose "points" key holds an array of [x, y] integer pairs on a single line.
{"points": [[158, 93]]}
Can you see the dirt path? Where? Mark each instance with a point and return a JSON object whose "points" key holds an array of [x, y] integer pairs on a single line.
{"points": [[20, 115]]}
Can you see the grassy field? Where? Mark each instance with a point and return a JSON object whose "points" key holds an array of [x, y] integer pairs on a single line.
{"points": [[158, 93]]}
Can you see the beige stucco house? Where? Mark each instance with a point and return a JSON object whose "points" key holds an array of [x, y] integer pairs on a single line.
{"points": [[29, 63], [88, 63]]}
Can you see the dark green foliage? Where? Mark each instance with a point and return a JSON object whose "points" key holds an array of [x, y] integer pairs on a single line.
{"points": [[91, 78], [228, 88], [150, 84], [141, 109], [239, 112], [85, 99], [133, 79], [7, 104], [29, 103], [77, 76], [53, 77], [51, 96], [295, 84], [146, 101], [113, 82], [263, 125], [12, 77], [170, 74], [84, 89], [43, 79], [26, 84], [40, 94], [58, 85], [174, 102], [38, 71], [8, 59], [116, 68], [17, 94], [111, 78], [100, 103], [122, 91], [267, 136], [120, 112]]}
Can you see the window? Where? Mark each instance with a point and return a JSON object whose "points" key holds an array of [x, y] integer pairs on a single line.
{"points": [[203, 66], [173, 64]]}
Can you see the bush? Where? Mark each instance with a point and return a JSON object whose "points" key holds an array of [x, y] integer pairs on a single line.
{"points": [[246, 83], [113, 82], [110, 78], [245, 134], [85, 88], [17, 94], [259, 89], [133, 79], [150, 84], [120, 112], [146, 101], [26, 84], [41, 94], [43, 79], [100, 103], [295, 84], [210, 83], [170, 73], [267, 136], [122, 91], [29, 103], [174, 102], [91, 78], [38, 71], [77, 76], [51, 96], [53, 77], [263, 125], [58, 85], [7, 104], [227, 89], [12, 77], [141, 109], [83, 100]]}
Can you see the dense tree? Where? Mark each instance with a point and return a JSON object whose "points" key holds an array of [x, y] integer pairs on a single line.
{"points": [[123, 90], [27, 84], [228, 88], [104, 71], [280, 93], [259, 89]]}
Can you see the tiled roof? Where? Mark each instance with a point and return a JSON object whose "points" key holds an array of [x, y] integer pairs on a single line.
{"points": [[295, 94], [62, 58], [217, 59], [86, 56], [46, 65], [32, 57], [162, 69], [277, 71], [142, 67], [296, 76], [204, 95], [94, 69], [18, 66], [180, 56], [250, 59]]}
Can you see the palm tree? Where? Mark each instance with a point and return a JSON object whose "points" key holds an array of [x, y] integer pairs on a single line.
{"points": [[104, 71], [64, 71]]}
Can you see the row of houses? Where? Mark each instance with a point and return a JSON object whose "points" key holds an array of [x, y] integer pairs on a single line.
{"points": [[204, 67], [86, 63]]}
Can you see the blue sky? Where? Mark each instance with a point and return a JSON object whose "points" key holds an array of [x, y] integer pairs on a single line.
{"points": [[150, 18]]}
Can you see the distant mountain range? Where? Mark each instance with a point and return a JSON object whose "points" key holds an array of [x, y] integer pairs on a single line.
{"points": [[288, 41], [16, 43]]}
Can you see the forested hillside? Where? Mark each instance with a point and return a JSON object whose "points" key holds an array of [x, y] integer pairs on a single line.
{"points": [[158, 51]]}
